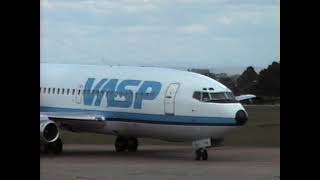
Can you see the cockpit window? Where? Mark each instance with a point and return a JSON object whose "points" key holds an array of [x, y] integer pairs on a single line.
{"points": [[223, 97], [230, 95], [205, 97], [215, 97], [197, 95]]}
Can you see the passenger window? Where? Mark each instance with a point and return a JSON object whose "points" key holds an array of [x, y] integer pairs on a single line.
{"points": [[205, 97], [62, 92], [68, 90], [53, 90], [40, 90], [58, 90], [79, 92], [49, 89], [44, 90], [197, 95], [73, 91]]}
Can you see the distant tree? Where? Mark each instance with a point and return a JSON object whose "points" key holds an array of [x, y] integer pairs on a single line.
{"points": [[227, 81], [221, 75], [266, 83], [247, 80], [212, 75], [269, 81], [235, 76]]}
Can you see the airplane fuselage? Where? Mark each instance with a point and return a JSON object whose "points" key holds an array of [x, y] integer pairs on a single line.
{"points": [[140, 101]]}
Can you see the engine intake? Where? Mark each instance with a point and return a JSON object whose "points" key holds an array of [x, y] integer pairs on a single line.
{"points": [[49, 131]]}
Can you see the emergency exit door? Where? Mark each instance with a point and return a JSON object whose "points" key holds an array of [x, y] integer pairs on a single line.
{"points": [[169, 103]]}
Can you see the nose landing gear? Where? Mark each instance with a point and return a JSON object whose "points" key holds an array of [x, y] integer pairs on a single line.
{"points": [[201, 154], [201, 149]]}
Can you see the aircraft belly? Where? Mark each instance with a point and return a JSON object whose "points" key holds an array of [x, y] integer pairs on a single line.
{"points": [[166, 132], [82, 126]]}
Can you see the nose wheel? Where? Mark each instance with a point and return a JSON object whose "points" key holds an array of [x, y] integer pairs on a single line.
{"points": [[201, 154]]}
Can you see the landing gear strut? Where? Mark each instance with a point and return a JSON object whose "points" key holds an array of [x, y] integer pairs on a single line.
{"points": [[122, 144], [54, 147]]}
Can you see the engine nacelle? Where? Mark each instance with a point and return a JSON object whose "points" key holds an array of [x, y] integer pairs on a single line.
{"points": [[49, 131]]}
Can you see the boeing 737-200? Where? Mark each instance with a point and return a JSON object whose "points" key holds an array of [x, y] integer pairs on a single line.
{"points": [[135, 102]]}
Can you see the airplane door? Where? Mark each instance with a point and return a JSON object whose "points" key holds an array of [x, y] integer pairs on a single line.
{"points": [[169, 101], [78, 94]]}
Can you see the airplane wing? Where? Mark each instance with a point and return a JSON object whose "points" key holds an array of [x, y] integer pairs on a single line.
{"points": [[76, 122], [72, 116], [245, 97]]}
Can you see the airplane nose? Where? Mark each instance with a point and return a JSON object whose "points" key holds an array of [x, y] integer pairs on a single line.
{"points": [[241, 117]]}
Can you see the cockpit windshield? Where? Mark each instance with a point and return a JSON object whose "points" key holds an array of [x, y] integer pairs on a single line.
{"points": [[215, 97], [223, 97]]}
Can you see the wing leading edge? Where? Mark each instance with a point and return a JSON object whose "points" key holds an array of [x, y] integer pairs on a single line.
{"points": [[76, 122]]}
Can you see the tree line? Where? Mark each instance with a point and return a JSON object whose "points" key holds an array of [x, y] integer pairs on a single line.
{"points": [[266, 83]]}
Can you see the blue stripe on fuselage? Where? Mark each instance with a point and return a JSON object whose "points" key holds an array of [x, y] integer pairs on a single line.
{"points": [[150, 118]]}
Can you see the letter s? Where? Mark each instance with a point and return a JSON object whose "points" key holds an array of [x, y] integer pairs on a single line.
{"points": [[127, 93]]}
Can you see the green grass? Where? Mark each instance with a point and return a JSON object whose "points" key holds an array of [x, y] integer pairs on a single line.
{"points": [[262, 129]]}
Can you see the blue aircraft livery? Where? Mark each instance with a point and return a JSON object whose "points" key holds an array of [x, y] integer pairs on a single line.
{"points": [[112, 88]]}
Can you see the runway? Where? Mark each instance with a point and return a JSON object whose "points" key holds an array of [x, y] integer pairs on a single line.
{"points": [[160, 162]]}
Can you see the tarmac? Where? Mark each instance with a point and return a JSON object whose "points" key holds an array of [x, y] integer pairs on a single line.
{"points": [[160, 162]]}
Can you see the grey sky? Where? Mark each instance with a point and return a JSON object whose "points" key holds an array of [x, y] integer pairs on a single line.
{"points": [[218, 34]]}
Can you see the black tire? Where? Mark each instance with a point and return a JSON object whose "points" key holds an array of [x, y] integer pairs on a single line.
{"points": [[132, 144], [198, 154], [204, 155], [56, 146], [121, 144], [45, 148]]}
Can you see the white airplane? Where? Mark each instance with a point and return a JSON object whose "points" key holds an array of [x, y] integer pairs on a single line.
{"points": [[134, 102]]}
